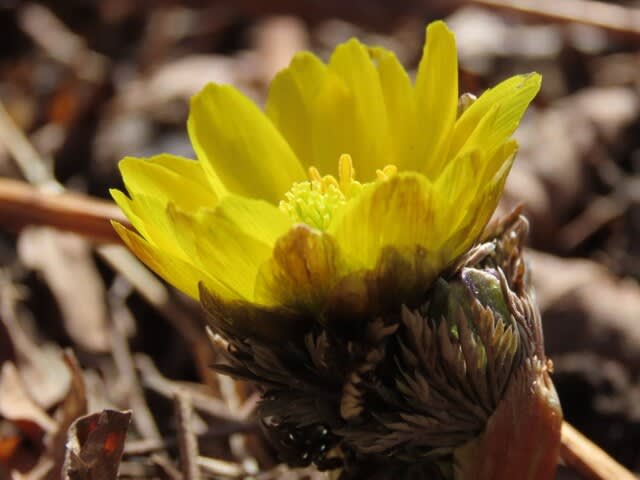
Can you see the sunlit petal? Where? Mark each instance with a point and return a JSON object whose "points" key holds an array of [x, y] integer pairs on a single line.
{"points": [[240, 149], [437, 96]]}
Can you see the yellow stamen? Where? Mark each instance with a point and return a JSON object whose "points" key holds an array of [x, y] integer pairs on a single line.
{"points": [[387, 172], [314, 201], [330, 181], [314, 175], [346, 172]]}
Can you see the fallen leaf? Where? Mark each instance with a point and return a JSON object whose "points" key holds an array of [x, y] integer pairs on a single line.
{"points": [[587, 308], [17, 405], [95, 445], [65, 261], [44, 375], [8, 446]]}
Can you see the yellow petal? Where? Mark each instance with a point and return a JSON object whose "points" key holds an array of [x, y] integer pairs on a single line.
{"points": [[235, 264], [400, 106], [335, 124], [368, 143], [398, 211], [152, 184], [500, 162], [458, 182], [455, 190], [290, 102], [303, 271], [477, 211], [183, 275], [255, 218], [149, 217], [168, 178], [185, 167], [507, 102], [231, 242], [387, 234], [437, 95], [240, 149]]}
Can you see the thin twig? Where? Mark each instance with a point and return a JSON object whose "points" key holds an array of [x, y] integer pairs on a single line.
{"points": [[138, 469], [22, 204], [221, 467], [142, 417], [599, 212], [589, 460], [187, 442], [167, 466], [614, 18], [205, 403], [53, 37], [143, 447], [31, 164]]}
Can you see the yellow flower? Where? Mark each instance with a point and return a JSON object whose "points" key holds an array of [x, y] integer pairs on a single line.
{"points": [[348, 195]]}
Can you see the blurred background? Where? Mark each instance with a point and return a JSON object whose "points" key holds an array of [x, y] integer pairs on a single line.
{"points": [[84, 83]]}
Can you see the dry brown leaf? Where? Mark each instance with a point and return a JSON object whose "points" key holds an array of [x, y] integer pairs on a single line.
{"points": [[95, 445], [44, 375], [8, 446], [65, 261], [41, 368], [17, 405], [587, 308], [75, 402], [73, 407], [556, 145]]}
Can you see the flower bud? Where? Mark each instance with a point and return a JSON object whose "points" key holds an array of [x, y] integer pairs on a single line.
{"points": [[455, 387]]}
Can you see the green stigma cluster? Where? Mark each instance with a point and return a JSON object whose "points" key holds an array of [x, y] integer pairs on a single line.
{"points": [[312, 203]]}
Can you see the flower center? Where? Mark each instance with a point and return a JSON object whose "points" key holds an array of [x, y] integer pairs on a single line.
{"points": [[314, 201]]}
